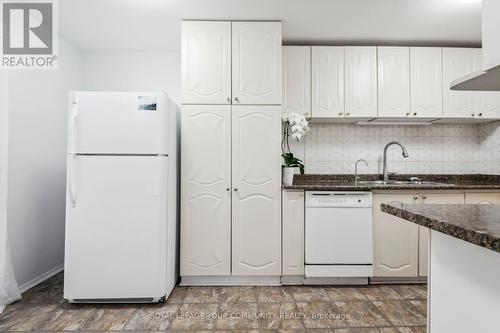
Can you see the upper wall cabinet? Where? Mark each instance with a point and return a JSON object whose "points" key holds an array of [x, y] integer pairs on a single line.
{"points": [[231, 63], [206, 62], [393, 81], [426, 81], [489, 101], [327, 81], [297, 79], [458, 62], [257, 63], [361, 81]]}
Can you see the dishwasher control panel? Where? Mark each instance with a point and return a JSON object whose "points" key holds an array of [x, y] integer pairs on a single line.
{"points": [[329, 199]]}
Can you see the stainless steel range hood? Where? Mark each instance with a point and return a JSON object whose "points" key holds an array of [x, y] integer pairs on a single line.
{"points": [[484, 80]]}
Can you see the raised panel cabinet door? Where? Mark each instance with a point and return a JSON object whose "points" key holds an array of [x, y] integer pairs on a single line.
{"points": [[206, 62], [297, 79], [489, 101], [395, 240], [256, 204], [393, 81], [205, 190], [424, 233], [426, 81], [257, 65], [293, 232], [482, 198], [458, 62], [361, 81], [327, 71]]}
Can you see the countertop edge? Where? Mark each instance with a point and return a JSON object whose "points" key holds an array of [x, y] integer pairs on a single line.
{"points": [[468, 235]]}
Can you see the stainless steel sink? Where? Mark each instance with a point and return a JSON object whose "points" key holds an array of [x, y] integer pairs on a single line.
{"points": [[401, 183]]}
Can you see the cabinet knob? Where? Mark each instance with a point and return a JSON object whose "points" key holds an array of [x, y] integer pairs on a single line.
{"points": [[480, 114], [340, 113], [473, 114], [347, 114], [227, 189], [229, 100], [424, 197], [414, 113], [236, 100], [407, 113], [235, 190], [415, 197]]}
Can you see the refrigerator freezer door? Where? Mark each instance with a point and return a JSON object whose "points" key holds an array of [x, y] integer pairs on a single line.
{"points": [[116, 227], [118, 123]]}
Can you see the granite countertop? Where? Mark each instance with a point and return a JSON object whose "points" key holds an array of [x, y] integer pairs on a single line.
{"points": [[345, 182], [476, 224]]}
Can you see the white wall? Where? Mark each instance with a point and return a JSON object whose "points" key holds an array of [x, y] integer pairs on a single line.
{"points": [[37, 164], [129, 71]]}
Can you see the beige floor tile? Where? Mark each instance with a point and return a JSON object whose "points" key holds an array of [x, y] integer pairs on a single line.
{"points": [[345, 294], [309, 294], [401, 313], [409, 291], [202, 295], [421, 305], [178, 295], [321, 315], [280, 316], [362, 314], [380, 292], [237, 316], [27, 318], [109, 318], [274, 295], [420, 329], [195, 316], [153, 318], [238, 294], [69, 317]]}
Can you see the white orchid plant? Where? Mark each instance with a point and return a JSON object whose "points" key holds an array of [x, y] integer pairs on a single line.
{"points": [[297, 126]]}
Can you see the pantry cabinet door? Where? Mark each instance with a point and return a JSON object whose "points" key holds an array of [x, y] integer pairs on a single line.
{"points": [[424, 233], [257, 67], [206, 62], [489, 101], [395, 240], [205, 190], [458, 62], [297, 80], [393, 82], [327, 81], [361, 81], [426, 82], [256, 224], [482, 198], [293, 232]]}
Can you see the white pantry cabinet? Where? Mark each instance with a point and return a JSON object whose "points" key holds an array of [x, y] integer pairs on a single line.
{"points": [[393, 82], [361, 81], [256, 182], [395, 240], [231, 63], [257, 67], [424, 233], [293, 232], [482, 198], [206, 62], [327, 81], [205, 194], [458, 62], [426, 82], [297, 80]]}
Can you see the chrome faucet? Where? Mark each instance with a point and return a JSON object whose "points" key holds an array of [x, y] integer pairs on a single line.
{"points": [[405, 155], [356, 170]]}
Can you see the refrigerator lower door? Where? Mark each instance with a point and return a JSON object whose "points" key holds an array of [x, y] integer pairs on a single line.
{"points": [[116, 228]]}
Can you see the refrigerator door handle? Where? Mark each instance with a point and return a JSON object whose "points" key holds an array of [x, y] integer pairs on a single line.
{"points": [[74, 109], [71, 183]]}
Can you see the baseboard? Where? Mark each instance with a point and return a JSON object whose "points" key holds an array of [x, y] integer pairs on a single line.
{"points": [[39, 279], [398, 280]]}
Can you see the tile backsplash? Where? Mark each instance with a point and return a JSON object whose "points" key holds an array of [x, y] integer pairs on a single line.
{"points": [[437, 149]]}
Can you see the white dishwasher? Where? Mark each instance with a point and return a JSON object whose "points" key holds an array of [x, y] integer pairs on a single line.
{"points": [[338, 236]]}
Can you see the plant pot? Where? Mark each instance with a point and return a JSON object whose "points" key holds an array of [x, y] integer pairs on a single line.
{"points": [[287, 175]]}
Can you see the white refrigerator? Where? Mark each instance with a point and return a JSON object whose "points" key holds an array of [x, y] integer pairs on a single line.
{"points": [[121, 220]]}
